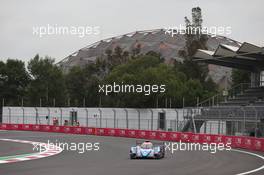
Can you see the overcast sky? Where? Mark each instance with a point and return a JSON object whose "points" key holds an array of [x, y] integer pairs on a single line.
{"points": [[114, 17]]}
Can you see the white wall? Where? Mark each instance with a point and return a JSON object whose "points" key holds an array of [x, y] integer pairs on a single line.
{"points": [[92, 116]]}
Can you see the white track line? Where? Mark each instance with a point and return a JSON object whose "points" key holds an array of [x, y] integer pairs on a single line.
{"points": [[49, 151], [252, 154]]}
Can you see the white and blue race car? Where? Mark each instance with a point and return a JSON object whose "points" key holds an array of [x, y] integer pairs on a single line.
{"points": [[147, 149]]}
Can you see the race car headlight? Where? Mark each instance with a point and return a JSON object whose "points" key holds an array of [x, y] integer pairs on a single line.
{"points": [[133, 150], [156, 150]]}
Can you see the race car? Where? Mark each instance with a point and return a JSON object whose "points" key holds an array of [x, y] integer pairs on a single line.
{"points": [[147, 149]]}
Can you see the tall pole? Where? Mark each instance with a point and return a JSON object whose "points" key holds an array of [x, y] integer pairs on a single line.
{"points": [[54, 102], [1, 111], [100, 101], [69, 102], [84, 102], [40, 102], [197, 101]]}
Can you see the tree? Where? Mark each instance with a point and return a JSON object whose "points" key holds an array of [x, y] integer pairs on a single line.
{"points": [[75, 83], [13, 81], [119, 56], [195, 40], [147, 70], [3, 79], [136, 50], [47, 82], [82, 85]]}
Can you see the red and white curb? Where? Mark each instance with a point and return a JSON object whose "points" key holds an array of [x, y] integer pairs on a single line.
{"points": [[46, 151]]}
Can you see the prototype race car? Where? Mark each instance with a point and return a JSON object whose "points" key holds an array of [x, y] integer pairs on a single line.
{"points": [[147, 149]]}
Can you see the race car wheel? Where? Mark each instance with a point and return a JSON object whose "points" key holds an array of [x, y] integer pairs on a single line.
{"points": [[132, 156], [163, 155], [158, 156]]}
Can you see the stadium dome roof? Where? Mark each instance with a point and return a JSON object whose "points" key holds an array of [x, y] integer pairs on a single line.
{"points": [[150, 40]]}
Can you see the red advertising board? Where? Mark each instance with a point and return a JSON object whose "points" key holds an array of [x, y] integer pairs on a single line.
{"points": [[250, 143]]}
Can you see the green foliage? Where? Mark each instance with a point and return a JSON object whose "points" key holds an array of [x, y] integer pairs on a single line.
{"points": [[193, 70], [82, 85], [13, 81], [44, 80], [47, 82], [117, 57], [151, 70], [195, 40], [240, 76], [140, 70]]}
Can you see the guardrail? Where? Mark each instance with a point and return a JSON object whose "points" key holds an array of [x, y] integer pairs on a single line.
{"points": [[250, 143]]}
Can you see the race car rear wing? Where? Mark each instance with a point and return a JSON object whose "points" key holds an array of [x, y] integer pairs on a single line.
{"points": [[155, 143]]}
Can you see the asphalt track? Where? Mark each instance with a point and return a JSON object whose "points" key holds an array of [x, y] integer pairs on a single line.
{"points": [[112, 159]]}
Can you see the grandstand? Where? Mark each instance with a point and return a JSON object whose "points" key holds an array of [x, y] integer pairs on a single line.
{"points": [[243, 105]]}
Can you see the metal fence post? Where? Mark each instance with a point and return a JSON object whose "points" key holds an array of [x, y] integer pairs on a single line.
{"points": [[233, 127], [205, 127], [148, 124], [165, 119], [48, 116], [220, 116], [61, 116], [100, 119], [222, 129], [138, 118], [244, 119], [193, 121], [36, 115], [177, 120], [114, 117], [23, 115], [9, 115], [87, 122], [256, 120], [151, 120], [127, 123], [106, 122]]}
